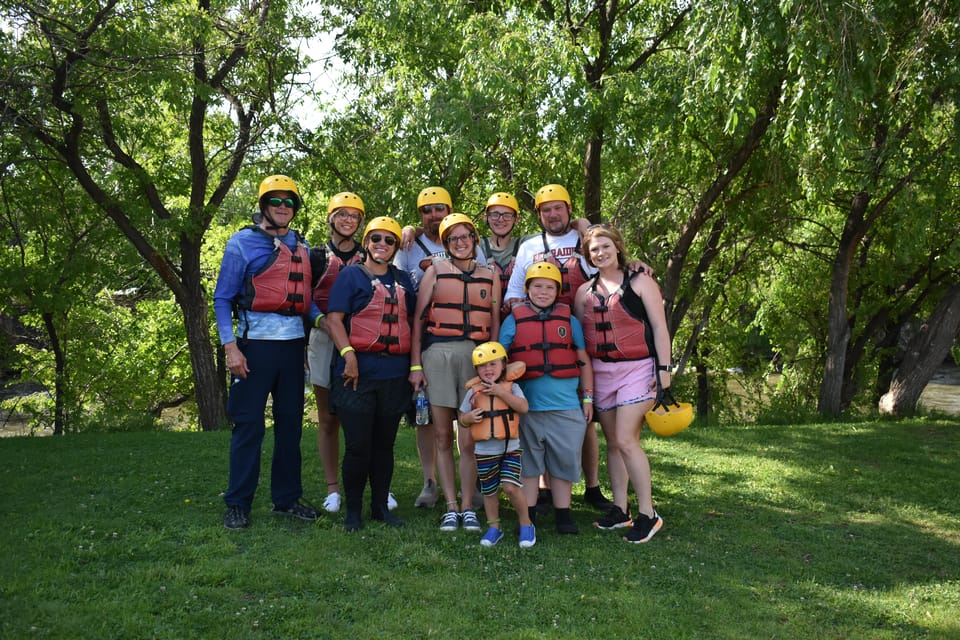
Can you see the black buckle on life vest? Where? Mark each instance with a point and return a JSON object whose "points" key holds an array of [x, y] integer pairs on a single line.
{"points": [[296, 276]]}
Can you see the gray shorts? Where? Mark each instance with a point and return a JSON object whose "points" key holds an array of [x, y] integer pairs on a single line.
{"points": [[447, 367], [319, 356], [551, 443]]}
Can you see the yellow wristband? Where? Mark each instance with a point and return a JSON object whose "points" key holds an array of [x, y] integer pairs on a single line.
{"points": [[316, 323], [415, 367], [347, 348]]}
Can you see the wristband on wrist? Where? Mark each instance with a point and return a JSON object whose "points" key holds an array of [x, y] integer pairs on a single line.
{"points": [[663, 367], [347, 348], [415, 367], [316, 323], [587, 400]]}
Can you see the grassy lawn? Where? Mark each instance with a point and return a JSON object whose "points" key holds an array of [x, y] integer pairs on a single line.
{"points": [[817, 531]]}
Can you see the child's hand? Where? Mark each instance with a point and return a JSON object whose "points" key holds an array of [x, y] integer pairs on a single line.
{"points": [[492, 389], [475, 416]]}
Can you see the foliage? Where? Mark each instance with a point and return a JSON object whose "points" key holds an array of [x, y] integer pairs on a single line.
{"points": [[835, 530]]}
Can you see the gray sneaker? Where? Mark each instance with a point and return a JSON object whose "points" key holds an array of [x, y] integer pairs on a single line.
{"points": [[428, 495]]}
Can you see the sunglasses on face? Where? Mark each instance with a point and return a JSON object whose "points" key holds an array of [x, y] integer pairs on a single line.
{"points": [[376, 238], [287, 202], [427, 208]]}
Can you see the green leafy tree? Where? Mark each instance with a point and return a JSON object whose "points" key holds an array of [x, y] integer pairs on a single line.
{"points": [[154, 108]]}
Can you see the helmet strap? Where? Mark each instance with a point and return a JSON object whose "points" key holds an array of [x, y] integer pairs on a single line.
{"points": [[272, 224]]}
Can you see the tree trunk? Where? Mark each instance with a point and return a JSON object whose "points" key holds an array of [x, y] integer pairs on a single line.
{"points": [[209, 381], [592, 177], [60, 375], [838, 322], [927, 350]]}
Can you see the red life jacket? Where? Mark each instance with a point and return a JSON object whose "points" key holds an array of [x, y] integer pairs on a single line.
{"points": [[281, 285], [500, 422], [383, 324], [334, 264], [544, 342], [462, 302], [572, 273], [611, 331]]}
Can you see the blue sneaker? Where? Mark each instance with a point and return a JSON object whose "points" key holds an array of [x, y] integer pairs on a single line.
{"points": [[491, 537], [528, 536]]}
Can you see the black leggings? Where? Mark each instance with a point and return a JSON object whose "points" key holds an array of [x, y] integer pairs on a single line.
{"points": [[370, 417]]}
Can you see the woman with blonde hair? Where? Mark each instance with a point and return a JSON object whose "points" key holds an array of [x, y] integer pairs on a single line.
{"points": [[625, 331]]}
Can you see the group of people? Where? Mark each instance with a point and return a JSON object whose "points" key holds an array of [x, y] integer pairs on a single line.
{"points": [[519, 344]]}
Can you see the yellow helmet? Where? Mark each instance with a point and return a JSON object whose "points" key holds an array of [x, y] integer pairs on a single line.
{"points": [[667, 419], [550, 192], [382, 223], [503, 199], [345, 199], [434, 195], [543, 270], [278, 183], [488, 352], [450, 221]]}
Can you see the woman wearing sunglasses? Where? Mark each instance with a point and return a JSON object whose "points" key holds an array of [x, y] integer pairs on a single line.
{"points": [[264, 281], [369, 319]]}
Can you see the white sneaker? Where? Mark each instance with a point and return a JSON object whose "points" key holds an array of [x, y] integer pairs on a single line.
{"points": [[391, 501], [332, 503]]}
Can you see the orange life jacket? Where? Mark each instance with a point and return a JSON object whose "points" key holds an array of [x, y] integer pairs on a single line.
{"points": [[544, 342], [572, 274], [500, 422], [281, 285], [462, 302], [334, 264], [611, 332], [383, 324]]}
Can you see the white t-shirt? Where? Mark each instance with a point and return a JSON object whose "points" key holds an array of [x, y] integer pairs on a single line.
{"points": [[531, 250]]}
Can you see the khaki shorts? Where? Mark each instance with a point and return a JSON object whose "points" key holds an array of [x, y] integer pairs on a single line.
{"points": [[319, 358], [447, 367]]}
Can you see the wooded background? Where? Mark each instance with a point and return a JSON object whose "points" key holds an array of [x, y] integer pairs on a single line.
{"points": [[790, 169]]}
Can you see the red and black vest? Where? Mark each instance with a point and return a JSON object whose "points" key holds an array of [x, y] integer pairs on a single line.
{"points": [[572, 273], [462, 302], [383, 324], [282, 284], [334, 264], [544, 342], [613, 332]]}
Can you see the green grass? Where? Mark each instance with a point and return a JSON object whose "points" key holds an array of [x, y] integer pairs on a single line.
{"points": [[819, 531]]}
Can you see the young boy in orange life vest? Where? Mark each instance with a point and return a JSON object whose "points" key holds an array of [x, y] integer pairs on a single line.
{"points": [[491, 410]]}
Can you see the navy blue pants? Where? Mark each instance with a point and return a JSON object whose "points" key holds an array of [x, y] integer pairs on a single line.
{"points": [[276, 369]]}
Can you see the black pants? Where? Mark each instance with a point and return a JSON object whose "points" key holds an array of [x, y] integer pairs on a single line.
{"points": [[369, 417]]}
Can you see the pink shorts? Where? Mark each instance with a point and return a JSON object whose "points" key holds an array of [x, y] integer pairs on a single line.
{"points": [[616, 384]]}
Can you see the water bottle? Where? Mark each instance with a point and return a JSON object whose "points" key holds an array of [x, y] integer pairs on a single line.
{"points": [[423, 407]]}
